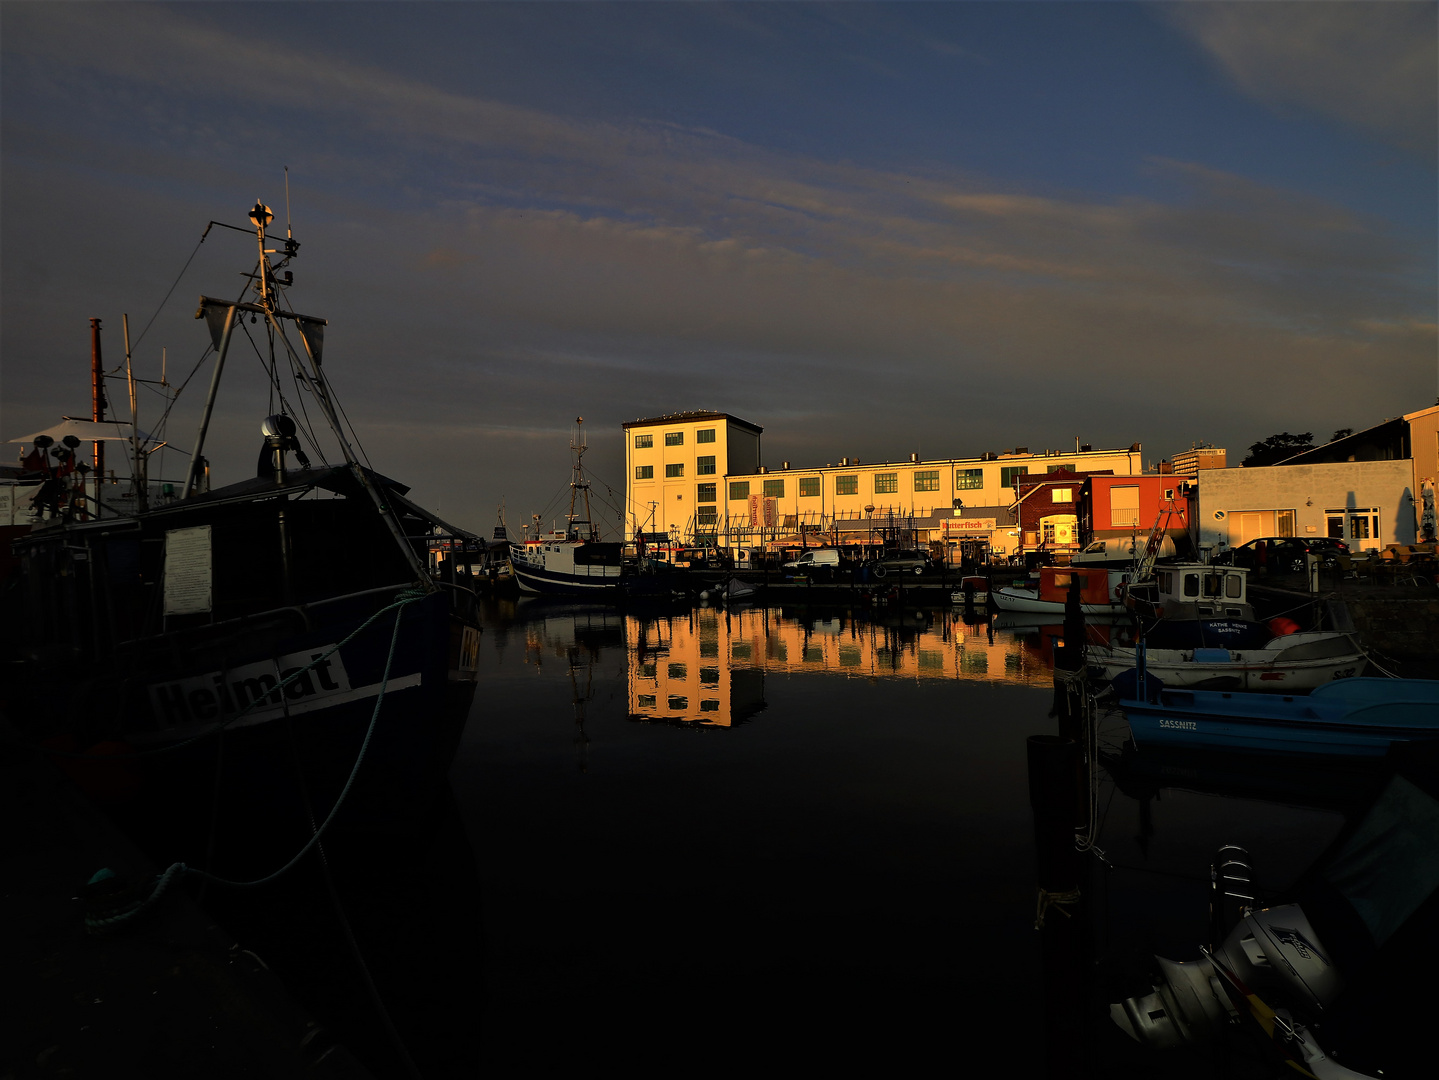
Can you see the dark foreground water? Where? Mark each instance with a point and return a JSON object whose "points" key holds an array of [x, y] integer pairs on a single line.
{"points": [[774, 839]]}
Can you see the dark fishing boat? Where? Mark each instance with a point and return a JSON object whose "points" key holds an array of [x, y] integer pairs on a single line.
{"points": [[279, 612]]}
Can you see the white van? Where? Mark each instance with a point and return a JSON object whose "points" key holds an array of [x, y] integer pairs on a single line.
{"points": [[828, 557]]}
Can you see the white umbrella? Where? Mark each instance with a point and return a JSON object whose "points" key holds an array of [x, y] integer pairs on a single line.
{"points": [[87, 431]]}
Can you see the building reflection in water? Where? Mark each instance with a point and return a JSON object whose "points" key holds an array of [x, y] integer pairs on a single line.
{"points": [[708, 667]]}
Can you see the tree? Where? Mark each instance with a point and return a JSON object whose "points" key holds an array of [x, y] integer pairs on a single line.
{"points": [[1278, 447], [1342, 433]]}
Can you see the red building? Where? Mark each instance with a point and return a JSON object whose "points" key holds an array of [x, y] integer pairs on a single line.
{"points": [[1121, 506], [1047, 510]]}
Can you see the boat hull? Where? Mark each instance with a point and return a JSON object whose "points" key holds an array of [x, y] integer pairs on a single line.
{"points": [[1351, 718], [1028, 601], [538, 580], [1258, 677]]}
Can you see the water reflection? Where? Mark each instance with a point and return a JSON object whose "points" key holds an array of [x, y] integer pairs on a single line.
{"points": [[706, 666]]}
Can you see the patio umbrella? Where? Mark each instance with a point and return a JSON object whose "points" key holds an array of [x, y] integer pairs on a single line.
{"points": [[86, 431]]}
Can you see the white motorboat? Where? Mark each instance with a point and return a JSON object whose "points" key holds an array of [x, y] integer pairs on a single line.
{"points": [[1286, 664], [1100, 591]]}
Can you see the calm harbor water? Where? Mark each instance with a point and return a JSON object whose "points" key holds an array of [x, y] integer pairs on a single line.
{"points": [[805, 835]]}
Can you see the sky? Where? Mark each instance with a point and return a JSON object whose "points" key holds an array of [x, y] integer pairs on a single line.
{"points": [[870, 229]]}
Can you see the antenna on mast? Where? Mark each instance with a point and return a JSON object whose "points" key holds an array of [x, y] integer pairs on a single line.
{"points": [[289, 232]]}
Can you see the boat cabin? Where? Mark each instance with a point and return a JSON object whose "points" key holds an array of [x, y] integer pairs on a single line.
{"points": [[1095, 586], [1196, 590]]}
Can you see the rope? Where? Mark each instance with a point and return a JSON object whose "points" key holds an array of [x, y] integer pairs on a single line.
{"points": [[408, 596], [179, 870], [1058, 901]]}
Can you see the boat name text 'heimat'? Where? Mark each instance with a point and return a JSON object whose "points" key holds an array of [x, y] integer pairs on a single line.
{"points": [[205, 697]]}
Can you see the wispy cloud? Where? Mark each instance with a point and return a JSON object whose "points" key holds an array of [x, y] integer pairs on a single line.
{"points": [[1368, 64]]}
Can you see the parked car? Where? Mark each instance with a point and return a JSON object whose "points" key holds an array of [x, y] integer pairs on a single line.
{"points": [[810, 560], [1283, 553], [903, 562]]}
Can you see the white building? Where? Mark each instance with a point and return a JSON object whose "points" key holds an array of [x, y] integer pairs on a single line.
{"points": [[1368, 504]]}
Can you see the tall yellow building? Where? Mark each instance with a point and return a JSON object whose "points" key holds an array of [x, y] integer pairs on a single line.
{"points": [[675, 467]]}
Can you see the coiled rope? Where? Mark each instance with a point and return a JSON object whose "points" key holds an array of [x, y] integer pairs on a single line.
{"points": [[101, 923]]}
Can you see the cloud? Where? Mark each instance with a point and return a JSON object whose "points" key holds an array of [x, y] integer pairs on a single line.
{"points": [[1370, 65]]}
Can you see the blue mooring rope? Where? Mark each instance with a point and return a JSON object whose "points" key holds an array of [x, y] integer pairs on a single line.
{"points": [[176, 871]]}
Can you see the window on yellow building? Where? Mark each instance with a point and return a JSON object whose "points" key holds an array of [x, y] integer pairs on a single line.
{"points": [[846, 485], [644, 472], [705, 466], [926, 480], [643, 442], [677, 469], [705, 492], [705, 435], [774, 489], [739, 489], [674, 438], [808, 485], [886, 483]]}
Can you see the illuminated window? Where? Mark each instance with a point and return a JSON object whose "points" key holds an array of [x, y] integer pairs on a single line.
{"points": [[968, 479], [644, 472], [1008, 474], [926, 480], [886, 483], [846, 485], [739, 489], [705, 492], [774, 489], [1061, 495], [675, 470], [808, 485], [674, 438], [643, 442], [705, 466], [705, 435]]}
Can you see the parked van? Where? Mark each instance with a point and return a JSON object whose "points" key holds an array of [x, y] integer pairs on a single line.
{"points": [[827, 557]]}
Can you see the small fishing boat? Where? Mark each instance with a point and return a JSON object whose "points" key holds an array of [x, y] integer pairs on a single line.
{"points": [[1284, 664], [1359, 717], [572, 559], [1100, 592]]}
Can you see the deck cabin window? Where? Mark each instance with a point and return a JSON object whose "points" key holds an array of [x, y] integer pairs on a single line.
{"points": [[1234, 586], [705, 435], [674, 438], [1124, 509], [644, 442], [774, 489], [846, 485], [926, 480], [1191, 584], [705, 466], [1008, 474], [886, 483], [676, 469], [808, 486], [644, 472], [968, 479], [705, 492], [739, 489]]}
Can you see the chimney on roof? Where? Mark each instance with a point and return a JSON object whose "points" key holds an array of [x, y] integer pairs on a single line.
{"points": [[1086, 448], [913, 457], [784, 465]]}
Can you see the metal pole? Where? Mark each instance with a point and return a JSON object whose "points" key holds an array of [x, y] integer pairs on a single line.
{"points": [[142, 499], [191, 472], [97, 395]]}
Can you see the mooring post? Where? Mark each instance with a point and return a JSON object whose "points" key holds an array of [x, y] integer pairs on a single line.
{"points": [[1052, 761]]}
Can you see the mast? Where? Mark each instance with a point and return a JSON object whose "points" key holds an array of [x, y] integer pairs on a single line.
{"points": [[97, 396], [579, 486]]}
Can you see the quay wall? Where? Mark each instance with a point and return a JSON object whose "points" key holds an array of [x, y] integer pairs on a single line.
{"points": [[1406, 629]]}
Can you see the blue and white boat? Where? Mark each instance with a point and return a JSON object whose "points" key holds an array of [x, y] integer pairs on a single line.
{"points": [[1357, 717]]}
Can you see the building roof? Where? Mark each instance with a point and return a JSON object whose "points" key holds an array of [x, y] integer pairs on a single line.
{"points": [[696, 415]]}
